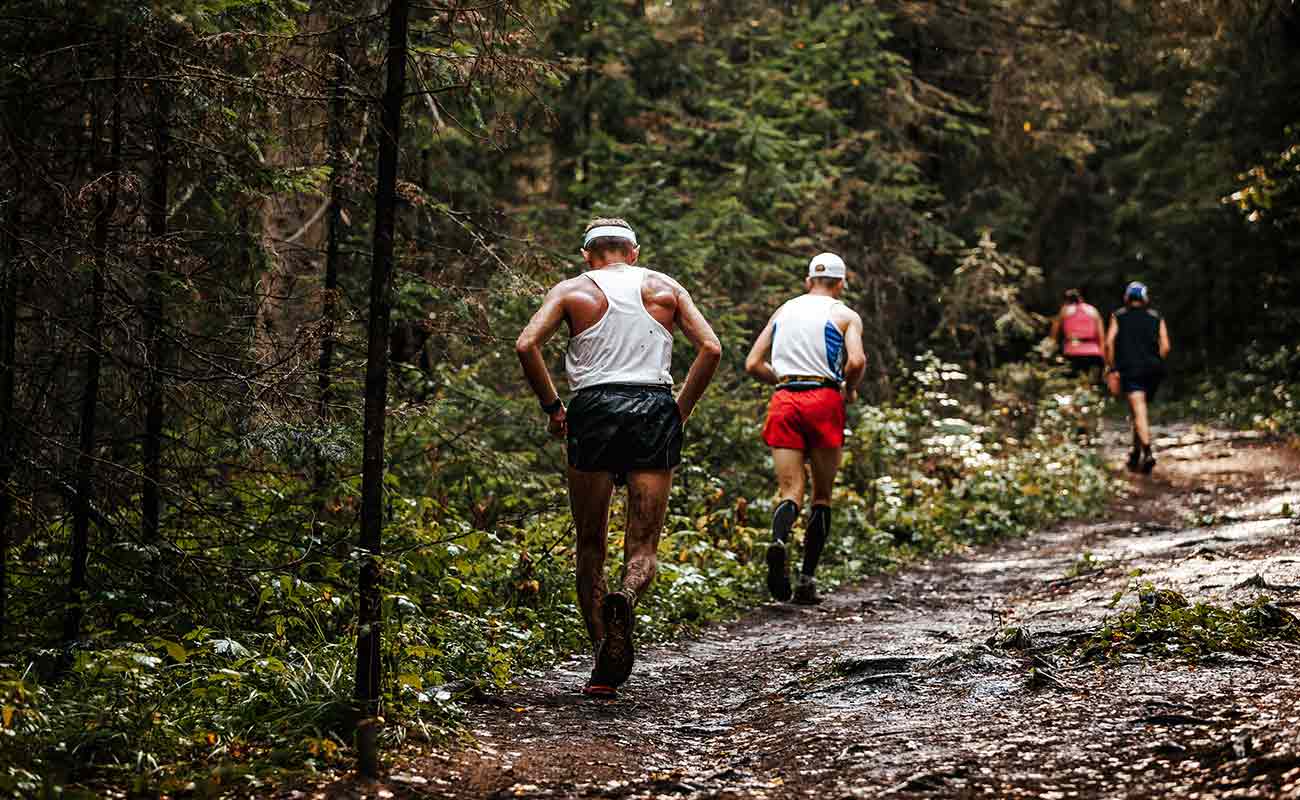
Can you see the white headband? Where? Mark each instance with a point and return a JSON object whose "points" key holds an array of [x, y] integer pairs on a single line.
{"points": [[616, 231]]}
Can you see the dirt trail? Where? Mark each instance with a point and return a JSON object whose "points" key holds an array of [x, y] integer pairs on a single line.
{"points": [[889, 690]]}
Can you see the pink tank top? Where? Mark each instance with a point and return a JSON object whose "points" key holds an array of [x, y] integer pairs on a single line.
{"points": [[1079, 327]]}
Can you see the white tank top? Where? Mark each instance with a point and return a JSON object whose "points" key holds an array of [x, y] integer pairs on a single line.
{"points": [[805, 341], [627, 345]]}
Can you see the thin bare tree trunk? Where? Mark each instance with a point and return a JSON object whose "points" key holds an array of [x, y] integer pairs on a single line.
{"points": [[90, 397], [330, 300], [153, 321], [370, 622], [8, 335]]}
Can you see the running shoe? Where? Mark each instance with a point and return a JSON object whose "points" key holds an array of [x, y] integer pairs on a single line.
{"points": [[614, 653], [599, 688], [778, 571], [1134, 460], [805, 594]]}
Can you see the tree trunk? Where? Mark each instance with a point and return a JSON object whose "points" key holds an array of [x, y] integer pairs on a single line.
{"points": [[330, 300], [153, 321], [107, 206], [8, 334], [372, 474]]}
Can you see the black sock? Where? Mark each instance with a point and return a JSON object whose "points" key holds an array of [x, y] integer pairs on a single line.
{"points": [[787, 511], [814, 538]]}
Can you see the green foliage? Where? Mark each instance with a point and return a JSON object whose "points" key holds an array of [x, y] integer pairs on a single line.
{"points": [[1164, 623], [479, 578], [739, 138], [740, 142], [983, 307], [164, 713], [1265, 395], [1271, 192]]}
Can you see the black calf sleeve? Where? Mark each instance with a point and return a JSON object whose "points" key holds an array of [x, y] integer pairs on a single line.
{"points": [[815, 536], [787, 511]]}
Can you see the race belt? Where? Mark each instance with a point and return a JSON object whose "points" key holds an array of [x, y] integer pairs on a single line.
{"points": [[804, 380]]}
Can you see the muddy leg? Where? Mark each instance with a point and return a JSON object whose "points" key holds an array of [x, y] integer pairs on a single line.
{"points": [[647, 504], [589, 497]]}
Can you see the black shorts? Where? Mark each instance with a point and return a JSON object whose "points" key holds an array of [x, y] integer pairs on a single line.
{"points": [[1082, 364], [620, 428], [1147, 381]]}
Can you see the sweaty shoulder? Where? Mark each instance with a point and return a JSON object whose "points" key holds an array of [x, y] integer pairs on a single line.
{"points": [[1153, 313], [579, 286], [659, 280], [569, 284]]}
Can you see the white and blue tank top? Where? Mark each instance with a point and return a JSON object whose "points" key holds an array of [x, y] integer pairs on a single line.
{"points": [[806, 343]]}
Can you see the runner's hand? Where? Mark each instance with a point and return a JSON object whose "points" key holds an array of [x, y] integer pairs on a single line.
{"points": [[850, 395], [559, 424]]}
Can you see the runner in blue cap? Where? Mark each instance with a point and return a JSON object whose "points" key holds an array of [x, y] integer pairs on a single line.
{"points": [[1136, 347]]}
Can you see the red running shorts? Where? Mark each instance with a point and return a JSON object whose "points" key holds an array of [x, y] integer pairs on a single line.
{"points": [[807, 419]]}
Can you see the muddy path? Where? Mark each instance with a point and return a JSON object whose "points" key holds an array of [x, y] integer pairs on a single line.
{"points": [[889, 688]]}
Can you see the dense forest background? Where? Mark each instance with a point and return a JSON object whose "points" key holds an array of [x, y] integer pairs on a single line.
{"points": [[196, 204]]}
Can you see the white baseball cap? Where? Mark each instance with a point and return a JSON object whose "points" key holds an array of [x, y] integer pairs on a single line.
{"points": [[826, 265]]}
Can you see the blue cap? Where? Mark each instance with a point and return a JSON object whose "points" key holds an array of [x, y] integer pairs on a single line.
{"points": [[1136, 291]]}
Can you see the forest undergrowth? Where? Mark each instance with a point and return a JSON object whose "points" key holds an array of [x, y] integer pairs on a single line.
{"points": [[197, 283], [174, 700], [1263, 394]]}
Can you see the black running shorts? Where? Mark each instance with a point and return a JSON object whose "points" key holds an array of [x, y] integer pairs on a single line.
{"points": [[1082, 364], [1144, 380], [619, 428]]}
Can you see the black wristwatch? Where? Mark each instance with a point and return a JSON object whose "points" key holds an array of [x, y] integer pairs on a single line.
{"points": [[553, 406]]}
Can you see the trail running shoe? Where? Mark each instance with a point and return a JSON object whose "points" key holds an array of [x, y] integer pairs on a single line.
{"points": [[1148, 463], [614, 654], [597, 687], [805, 593], [778, 571], [1134, 460]]}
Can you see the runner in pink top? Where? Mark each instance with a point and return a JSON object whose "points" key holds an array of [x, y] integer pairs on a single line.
{"points": [[1082, 332]]}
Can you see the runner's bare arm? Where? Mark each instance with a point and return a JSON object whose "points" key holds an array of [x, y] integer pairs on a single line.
{"points": [[855, 361], [1108, 352], [1164, 345], [756, 362], [708, 351], [1056, 325], [529, 349]]}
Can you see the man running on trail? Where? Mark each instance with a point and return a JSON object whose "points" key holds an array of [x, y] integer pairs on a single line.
{"points": [[1081, 327], [817, 361], [1137, 345], [623, 425]]}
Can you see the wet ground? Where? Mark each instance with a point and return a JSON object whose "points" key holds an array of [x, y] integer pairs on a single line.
{"points": [[889, 689]]}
